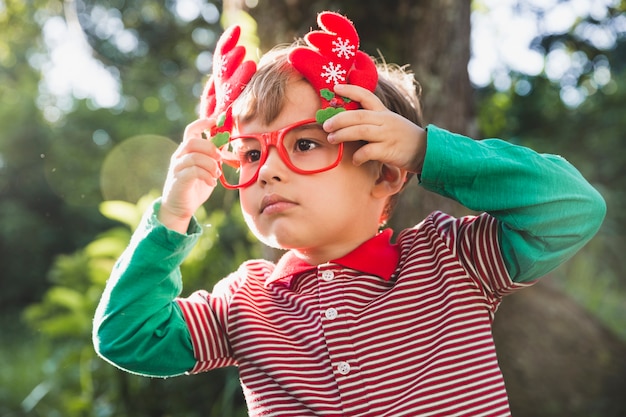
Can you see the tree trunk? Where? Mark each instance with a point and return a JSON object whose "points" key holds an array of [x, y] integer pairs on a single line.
{"points": [[556, 358]]}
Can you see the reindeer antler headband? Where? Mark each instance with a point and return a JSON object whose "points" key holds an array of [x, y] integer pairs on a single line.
{"points": [[230, 76], [331, 57]]}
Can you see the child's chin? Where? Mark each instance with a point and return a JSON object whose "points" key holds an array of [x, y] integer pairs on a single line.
{"points": [[267, 237], [276, 242], [272, 243]]}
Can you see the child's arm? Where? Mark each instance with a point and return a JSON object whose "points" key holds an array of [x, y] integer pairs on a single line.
{"points": [[547, 210], [138, 326]]}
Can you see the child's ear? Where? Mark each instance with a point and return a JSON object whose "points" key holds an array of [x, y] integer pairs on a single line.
{"points": [[390, 181]]}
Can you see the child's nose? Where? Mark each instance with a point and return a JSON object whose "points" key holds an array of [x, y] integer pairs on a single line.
{"points": [[273, 169]]}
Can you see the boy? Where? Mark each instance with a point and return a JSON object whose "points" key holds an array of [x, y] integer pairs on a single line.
{"points": [[346, 323]]}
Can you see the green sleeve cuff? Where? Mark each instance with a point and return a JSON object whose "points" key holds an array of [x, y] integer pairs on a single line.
{"points": [[152, 228], [444, 151]]}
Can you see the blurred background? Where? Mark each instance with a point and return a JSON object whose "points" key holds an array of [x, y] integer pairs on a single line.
{"points": [[95, 95]]}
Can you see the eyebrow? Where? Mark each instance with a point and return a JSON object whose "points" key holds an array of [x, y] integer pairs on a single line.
{"points": [[309, 126]]}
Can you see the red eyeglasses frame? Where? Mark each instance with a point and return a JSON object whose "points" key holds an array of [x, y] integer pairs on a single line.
{"points": [[275, 138]]}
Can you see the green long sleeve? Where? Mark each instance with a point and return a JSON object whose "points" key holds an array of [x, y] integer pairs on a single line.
{"points": [[137, 325], [547, 210]]}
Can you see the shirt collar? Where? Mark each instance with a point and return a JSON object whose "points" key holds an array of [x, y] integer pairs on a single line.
{"points": [[376, 256]]}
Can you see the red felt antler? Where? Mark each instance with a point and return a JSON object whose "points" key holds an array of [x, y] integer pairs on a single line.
{"points": [[230, 75], [332, 57]]}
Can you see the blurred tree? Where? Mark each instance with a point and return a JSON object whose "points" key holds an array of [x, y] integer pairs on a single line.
{"points": [[35, 223], [55, 133], [55, 136], [574, 109], [578, 112]]}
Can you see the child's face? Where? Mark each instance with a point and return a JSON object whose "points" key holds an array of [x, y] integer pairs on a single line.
{"points": [[323, 215]]}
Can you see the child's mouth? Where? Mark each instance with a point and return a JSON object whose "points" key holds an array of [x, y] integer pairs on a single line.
{"points": [[273, 203]]}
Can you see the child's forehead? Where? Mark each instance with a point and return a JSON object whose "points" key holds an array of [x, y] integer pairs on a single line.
{"points": [[267, 110]]}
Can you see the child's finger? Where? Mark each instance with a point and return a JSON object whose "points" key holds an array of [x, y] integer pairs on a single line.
{"points": [[201, 164], [350, 118], [352, 128], [196, 128], [368, 100], [363, 154], [196, 145]]}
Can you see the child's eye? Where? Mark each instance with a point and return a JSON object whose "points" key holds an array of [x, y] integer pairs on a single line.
{"points": [[305, 145], [245, 150], [250, 156]]}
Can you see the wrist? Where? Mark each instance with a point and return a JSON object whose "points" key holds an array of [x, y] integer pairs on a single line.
{"points": [[173, 221], [420, 153]]}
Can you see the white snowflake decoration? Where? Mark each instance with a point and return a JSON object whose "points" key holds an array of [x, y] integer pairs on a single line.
{"points": [[333, 74], [225, 94], [343, 48], [221, 66]]}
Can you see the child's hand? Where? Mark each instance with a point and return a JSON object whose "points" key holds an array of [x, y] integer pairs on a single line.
{"points": [[191, 178], [391, 138]]}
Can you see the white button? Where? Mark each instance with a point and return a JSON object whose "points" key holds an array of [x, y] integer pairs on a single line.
{"points": [[343, 368], [331, 314], [328, 275]]}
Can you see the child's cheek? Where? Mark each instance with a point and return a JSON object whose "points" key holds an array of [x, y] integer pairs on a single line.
{"points": [[244, 201]]}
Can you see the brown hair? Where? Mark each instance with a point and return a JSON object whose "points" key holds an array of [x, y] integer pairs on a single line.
{"points": [[264, 95]]}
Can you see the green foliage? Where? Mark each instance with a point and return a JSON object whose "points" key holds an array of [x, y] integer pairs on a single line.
{"points": [[81, 384], [52, 149], [28, 207]]}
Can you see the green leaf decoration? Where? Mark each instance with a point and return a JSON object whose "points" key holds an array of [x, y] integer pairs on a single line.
{"points": [[221, 119], [324, 114], [326, 93], [220, 139]]}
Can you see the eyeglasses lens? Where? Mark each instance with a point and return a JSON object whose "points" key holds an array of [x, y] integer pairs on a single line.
{"points": [[303, 148]]}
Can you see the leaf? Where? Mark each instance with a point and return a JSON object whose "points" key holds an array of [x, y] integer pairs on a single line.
{"points": [[220, 139], [324, 114], [221, 119], [121, 211], [67, 298], [326, 93], [109, 244]]}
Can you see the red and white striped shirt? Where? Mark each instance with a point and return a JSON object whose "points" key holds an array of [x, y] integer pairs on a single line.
{"points": [[390, 330]]}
